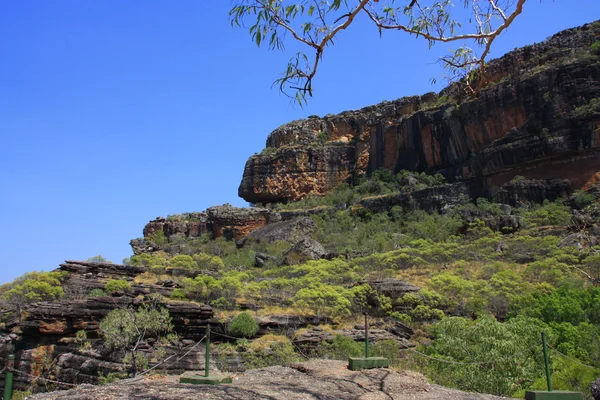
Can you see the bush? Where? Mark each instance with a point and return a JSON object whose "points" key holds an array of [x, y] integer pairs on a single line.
{"points": [[341, 348], [178, 294], [243, 325], [182, 261], [115, 285], [97, 292], [269, 350]]}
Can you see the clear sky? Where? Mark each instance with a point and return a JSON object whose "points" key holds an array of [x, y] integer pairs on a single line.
{"points": [[115, 112]]}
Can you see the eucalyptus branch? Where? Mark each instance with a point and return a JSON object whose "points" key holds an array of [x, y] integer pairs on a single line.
{"points": [[276, 18]]}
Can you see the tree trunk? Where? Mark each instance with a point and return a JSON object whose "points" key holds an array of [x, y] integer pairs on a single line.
{"points": [[133, 364]]}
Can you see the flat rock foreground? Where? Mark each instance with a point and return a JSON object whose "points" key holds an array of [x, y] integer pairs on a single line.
{"points": [[318, 379]]}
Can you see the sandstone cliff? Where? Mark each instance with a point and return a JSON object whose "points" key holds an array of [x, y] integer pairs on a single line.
{"points": [[539, 118]]}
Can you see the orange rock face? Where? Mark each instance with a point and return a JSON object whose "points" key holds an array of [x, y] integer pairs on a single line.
{"points": [[56, 327], [540, 117]]}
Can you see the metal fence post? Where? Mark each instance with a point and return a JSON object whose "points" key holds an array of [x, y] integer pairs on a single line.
{"points": [[207, 352], [8, 381], [547, 362]]}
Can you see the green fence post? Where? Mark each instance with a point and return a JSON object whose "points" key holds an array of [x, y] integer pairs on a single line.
{"points": [[366, 336], [207, 352], [547, 362], [8, 381]]}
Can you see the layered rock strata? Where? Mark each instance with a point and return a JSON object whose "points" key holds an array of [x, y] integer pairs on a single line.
{"points": [[539, 117], [227, 221]]}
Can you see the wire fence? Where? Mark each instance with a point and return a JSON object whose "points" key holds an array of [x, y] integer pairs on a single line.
{"points": [[498, 360], [142, 374], [576, 361]]}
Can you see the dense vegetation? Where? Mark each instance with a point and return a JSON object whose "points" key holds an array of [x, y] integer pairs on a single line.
{"points": [[487, 291]]}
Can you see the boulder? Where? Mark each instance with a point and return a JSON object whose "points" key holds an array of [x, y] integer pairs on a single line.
{"points": [[304, 250], [289, 231], [595, 388], [393, 288]]}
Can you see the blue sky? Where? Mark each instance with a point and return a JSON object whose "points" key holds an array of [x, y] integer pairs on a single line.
{"points": [[115, 112]]}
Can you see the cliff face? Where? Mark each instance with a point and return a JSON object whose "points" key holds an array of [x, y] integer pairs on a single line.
{"points": [[45, 341], [539, 117], [227, 221]]}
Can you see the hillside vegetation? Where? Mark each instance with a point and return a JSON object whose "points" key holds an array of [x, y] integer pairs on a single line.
{"points": [[483, 294]]}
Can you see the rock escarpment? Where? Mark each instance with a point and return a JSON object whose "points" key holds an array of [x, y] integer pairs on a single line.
{"points": [[539, 117], [233, 223], [46, 342]]}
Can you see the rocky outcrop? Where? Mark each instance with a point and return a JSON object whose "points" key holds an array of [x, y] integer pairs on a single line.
{"points": [[288, 231], [538, 118], [431, 199], [393, 288], [45, 338], [304, 250], [226, 221], [595, 388], [236, 223], [519, 191], [312, 338]]}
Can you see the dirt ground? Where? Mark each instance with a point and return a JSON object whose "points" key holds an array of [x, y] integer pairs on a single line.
{"points": [[317, 379]]}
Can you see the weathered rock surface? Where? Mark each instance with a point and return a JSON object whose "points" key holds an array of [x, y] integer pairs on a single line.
{"points": [[304, 250], [595, 387], [236, 223], [316, 379], [288, 231], [285, 323], [517, 192], [393, 288], [46, 343], [230, 222], [538, 118], [429, 199]]}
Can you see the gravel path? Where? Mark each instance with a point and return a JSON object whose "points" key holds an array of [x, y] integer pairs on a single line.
{"points": [[318, 379]]}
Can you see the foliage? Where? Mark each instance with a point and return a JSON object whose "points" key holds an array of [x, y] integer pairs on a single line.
{"points": [[243, 325], [269, 350], [99, 259], [387, 348], [116, 285], [124, 329], [315, 25], [21, 394], [96, 292], [323, 300], [182, 261], [511, 345], [595, 47], [32, 287], [110, 377], [587, 110], [340, 348]]}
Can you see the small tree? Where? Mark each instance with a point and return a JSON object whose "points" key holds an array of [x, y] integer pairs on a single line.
{"points": [[32, 287], [114, 285], [243, 325], [124, 329], [99, 259]]}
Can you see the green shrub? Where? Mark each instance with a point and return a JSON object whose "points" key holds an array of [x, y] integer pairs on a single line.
{"points": [[243, 325], [182, 261], [388, 348], [401, 317], [178, 294], [97, 292], [341, 348], [110, 377], [115, 285], [21, 394], [595, 48]]}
